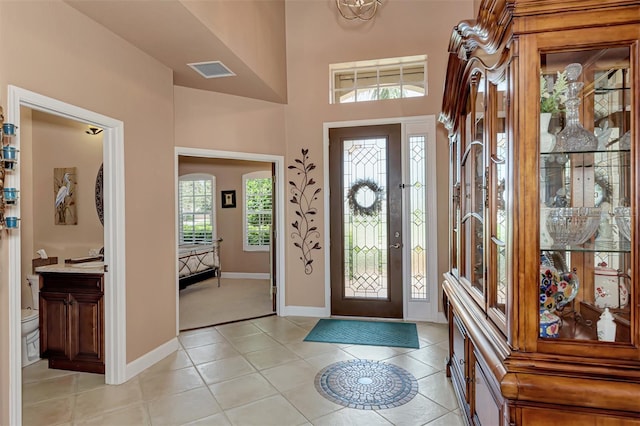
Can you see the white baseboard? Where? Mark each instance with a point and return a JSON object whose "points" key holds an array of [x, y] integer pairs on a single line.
{"points": [[147, 360], [305, 311], [247, 275]]}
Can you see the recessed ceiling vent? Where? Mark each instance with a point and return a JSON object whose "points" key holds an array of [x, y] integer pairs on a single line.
{"points": [[212, 69]]}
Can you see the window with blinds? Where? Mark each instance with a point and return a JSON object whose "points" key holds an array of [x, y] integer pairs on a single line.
{"points": [[196, 207]]}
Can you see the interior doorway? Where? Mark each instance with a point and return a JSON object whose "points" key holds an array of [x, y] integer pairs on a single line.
{"points": [[114, 241], [246, 290]]}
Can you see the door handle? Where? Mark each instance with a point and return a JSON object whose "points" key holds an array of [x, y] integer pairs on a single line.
{"points": [[395, 246]]}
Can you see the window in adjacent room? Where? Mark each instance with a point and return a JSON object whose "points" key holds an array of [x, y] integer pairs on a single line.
{"points": [[196, 209], [257, 209], [390, 78]]}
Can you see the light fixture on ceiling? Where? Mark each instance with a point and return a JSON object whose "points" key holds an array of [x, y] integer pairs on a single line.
{"points": [[358, 9], [94, 131]]}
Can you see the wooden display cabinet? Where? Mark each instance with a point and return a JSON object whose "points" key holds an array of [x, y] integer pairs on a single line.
{"points": [[541, 104], [72, 321]]}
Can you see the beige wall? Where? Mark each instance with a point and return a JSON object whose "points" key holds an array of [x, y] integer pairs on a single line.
{"points": [[52, 49], [317, 37], [53, 142], [229, 222], [60, 53]]}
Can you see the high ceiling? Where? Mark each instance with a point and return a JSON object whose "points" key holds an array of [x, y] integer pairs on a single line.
{"points": [[177, 33]]}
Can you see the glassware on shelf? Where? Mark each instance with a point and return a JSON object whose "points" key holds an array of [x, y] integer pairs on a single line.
{"points": [[623, 220], [574, 137], [572, 225]]}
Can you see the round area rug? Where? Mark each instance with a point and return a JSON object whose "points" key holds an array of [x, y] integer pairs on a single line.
{"points": [[366, 384]]}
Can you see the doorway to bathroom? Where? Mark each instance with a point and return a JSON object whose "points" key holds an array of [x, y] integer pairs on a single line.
{"points": [[18, 102]]}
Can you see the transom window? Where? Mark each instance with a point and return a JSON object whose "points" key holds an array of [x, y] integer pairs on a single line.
{"points": [[196, 209], [257, 208], [390, 78]]}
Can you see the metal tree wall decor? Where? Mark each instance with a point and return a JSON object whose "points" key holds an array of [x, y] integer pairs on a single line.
{"points": [[305, 233]]}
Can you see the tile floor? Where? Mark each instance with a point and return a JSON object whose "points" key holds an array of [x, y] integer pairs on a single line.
{"points": [[256, 372]]}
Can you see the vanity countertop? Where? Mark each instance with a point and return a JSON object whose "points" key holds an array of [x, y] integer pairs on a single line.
{"points": [[74, 268]]}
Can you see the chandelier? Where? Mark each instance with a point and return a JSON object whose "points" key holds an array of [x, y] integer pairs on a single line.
{"points": [[358, 9]]}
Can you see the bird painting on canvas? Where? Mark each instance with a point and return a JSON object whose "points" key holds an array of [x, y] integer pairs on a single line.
{"points": [[64, 189]]}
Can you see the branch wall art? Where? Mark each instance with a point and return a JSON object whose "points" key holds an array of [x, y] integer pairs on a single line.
{"points": [[305, 234]]}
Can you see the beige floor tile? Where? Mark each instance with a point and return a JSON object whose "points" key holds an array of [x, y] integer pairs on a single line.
{"points": [[256, 342], [239, 329], [225, 369], [291, 375], [288, 336], [98, 401], [177, 360], [50, 412], [433, 355], [274, 323], [89, 381], [242, 390], [335, 355], [376, 353], [305, 322], [449, 419], [438, 388], [418, 411], [208, 353], [170, 382], [206, 336], [309, 402], [219, 419], [48, 389], [309, 349], [183, 407], [40, 371], [267, 358], [444, 345], [271, 411], [433, 332], [134, 415], [350, 417], [417, 368]]}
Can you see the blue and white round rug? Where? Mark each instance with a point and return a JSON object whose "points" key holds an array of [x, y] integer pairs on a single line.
{"points": [[366, 384]]}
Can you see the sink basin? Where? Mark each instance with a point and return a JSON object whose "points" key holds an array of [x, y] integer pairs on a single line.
{"points": [[88, 265]]}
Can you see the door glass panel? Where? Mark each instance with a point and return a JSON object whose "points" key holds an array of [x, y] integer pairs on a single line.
{"points": [[366, 241], [418, 213], [587, 199]]}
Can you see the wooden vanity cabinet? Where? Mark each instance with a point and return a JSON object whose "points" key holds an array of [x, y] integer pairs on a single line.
{"points": [[541, 104], [72, 321]]}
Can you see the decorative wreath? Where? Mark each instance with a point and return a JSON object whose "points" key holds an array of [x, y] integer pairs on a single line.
{"points": [[357, 208]]}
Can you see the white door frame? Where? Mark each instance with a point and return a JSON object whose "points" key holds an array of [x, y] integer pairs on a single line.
{"points": [[412, 310], [278, 160], [114, 242]]}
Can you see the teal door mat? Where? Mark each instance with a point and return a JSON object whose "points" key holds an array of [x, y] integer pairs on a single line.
{"points": [[372, 333]]}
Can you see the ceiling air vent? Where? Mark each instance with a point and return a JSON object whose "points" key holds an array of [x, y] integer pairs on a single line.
{"points": [[212, 69]]}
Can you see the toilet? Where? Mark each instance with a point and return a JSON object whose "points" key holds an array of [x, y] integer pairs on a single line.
{"points": [[30, 325]]}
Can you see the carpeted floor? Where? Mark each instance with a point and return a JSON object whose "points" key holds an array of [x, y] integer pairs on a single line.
{"points": [[204, 304]]}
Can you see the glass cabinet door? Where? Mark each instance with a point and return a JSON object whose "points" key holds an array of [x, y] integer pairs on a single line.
{"points": [[499, 190], [587, 198], [472, 190]]}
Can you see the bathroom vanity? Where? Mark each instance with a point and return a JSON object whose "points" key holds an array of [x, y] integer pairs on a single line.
{"points": [[72, 316]]}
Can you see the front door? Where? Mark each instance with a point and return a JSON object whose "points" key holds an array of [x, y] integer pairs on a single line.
{"points": [[366, 221]]}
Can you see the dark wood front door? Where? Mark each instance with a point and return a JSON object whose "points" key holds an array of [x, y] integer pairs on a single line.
{"points": [[366, 221]]}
